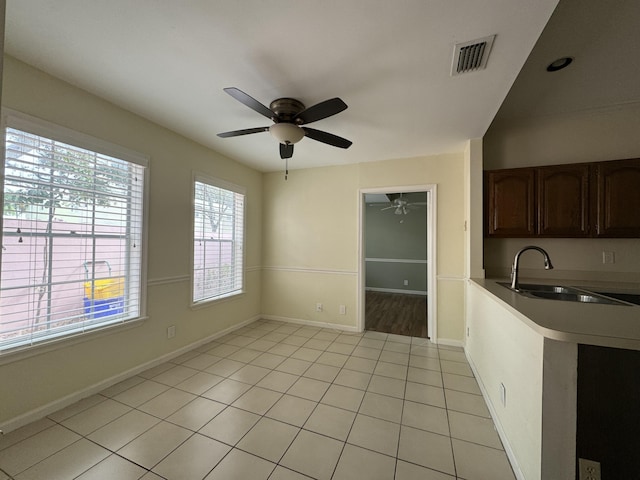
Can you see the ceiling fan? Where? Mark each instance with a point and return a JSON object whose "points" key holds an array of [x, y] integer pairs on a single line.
{"points": [[400, 205], [288, 115]]}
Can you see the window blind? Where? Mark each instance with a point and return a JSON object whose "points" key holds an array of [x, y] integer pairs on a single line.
{"points": [[218, 237], [71, 240]]}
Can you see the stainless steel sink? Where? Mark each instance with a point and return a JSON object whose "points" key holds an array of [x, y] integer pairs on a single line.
{"points": [[561, 292]]}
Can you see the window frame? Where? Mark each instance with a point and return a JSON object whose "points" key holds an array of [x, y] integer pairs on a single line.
{"points": [[232, 187], [20, 121]]}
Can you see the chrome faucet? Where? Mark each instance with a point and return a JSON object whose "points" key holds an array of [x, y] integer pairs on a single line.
{"points": [[516, 260]]}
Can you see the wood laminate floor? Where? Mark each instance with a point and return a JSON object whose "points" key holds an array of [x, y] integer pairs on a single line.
{"points": [[396, 313]]}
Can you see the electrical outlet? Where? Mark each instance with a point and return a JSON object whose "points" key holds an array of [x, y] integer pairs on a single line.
{"points": [[589, 470], [608, 257], [503, 395], [343, 310], [318, 307], [406, 283], [171, 331]]}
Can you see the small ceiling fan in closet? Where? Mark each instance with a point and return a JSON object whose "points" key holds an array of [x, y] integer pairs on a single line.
{"points": [[400, 204]]}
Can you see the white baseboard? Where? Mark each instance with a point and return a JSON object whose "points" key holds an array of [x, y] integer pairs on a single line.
{"points": [[397, 290], [496, 421], [72, 398], [450, 342], [312, 323]]}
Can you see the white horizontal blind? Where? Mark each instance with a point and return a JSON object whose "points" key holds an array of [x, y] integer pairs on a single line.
{"points": [[71, 240], [217, 240]]}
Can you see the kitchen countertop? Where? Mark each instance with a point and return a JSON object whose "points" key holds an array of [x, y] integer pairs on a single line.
{"points": [[615, 326]]}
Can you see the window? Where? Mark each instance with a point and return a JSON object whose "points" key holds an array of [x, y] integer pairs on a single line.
{"points": [[218, 231], [71, 235]]}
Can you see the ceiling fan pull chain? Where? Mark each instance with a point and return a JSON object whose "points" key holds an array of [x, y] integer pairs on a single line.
{"points": [[286, 168]]}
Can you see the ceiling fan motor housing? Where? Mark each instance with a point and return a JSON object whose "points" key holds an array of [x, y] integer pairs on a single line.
{"points": [[286, 109]]}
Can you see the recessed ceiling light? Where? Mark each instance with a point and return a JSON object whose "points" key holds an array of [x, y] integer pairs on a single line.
{"points": [[559, 64]]}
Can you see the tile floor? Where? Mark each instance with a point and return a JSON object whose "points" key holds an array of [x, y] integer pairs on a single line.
{"points": [[275, 401]]}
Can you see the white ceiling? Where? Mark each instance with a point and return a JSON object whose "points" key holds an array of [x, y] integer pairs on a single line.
{"points": [[390, 61]]}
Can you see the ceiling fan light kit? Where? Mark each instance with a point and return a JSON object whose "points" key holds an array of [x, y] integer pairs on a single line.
{"points": [[288, 115]]}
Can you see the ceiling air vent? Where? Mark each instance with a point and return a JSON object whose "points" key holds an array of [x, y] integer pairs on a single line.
{"points": [[471, 56]]}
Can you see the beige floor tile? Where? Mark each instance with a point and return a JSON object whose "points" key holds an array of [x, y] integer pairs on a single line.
{"points": [[427, 449], [257, 400], [427, 363], [261, 345], [26, 453], [309, 388], [326, 373], [167, 403], [95, 417], [292, 410], [428, 394], [461, 383], [376, 335], [69, 462], [454, 356], [287, 329], [199, 383], [392, 370], [474, 429], [113, 467], [409, 471], [250, 374], [316, 344], [283, 349], [227, 391], [192, 460], [269, 439], [333, 359], [151, 476], [278, 381], [120, 387], [343, 397], [457, 368], [294, 366], [425, 351], [157, 370], [295, 340], [175, 375], [365, 352], [374, 434], [25, 432], [353, 379], [244, 355], [466, 403], [121, 431], [275, 336], [382, 407], [240, 341], [196, 414], [201, 362], [330, 421], [153, 445], [239, 465], [223, 350], [341, 348], [358, 364], [74, 409], [393, 342], [140, 393], [313, 455], [387, 386], [224, 367], [349, 338], [282, 473], [358, 463], [268, 360], [425, 417], [230, 425], [371, 342], [477, 462], [427, 377], [325, 335], [307, 332], [307, 354], [394, 357]]}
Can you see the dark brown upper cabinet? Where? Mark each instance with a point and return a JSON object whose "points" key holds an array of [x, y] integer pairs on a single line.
{"points": [[617, 201], [511, 197], [563, 201], [599, 199]]}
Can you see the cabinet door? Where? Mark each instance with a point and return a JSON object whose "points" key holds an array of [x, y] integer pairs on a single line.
{"points": [[618, 198], [563, 200], [511, 202]]}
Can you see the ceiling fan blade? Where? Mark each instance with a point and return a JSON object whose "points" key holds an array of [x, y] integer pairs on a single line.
{"points": [[388, 208], [321, 110], [247, 131], [249, 101], [328, 138], [286, 151]]}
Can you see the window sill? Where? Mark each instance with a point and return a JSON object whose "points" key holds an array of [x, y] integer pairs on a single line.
{"points": [[217, 300], [22, 353]]}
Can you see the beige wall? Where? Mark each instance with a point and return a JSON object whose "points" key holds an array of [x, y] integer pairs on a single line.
{"points": [[310, 248], [32, 383], [590, 136]]}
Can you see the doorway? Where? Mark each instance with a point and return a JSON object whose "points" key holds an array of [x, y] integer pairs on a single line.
{"points": [[396, 275]]}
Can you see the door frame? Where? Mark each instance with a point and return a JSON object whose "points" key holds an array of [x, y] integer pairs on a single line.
{"points": [[432, 293]]}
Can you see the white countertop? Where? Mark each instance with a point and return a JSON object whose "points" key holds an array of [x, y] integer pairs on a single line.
{"points": [[615, 326]]}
